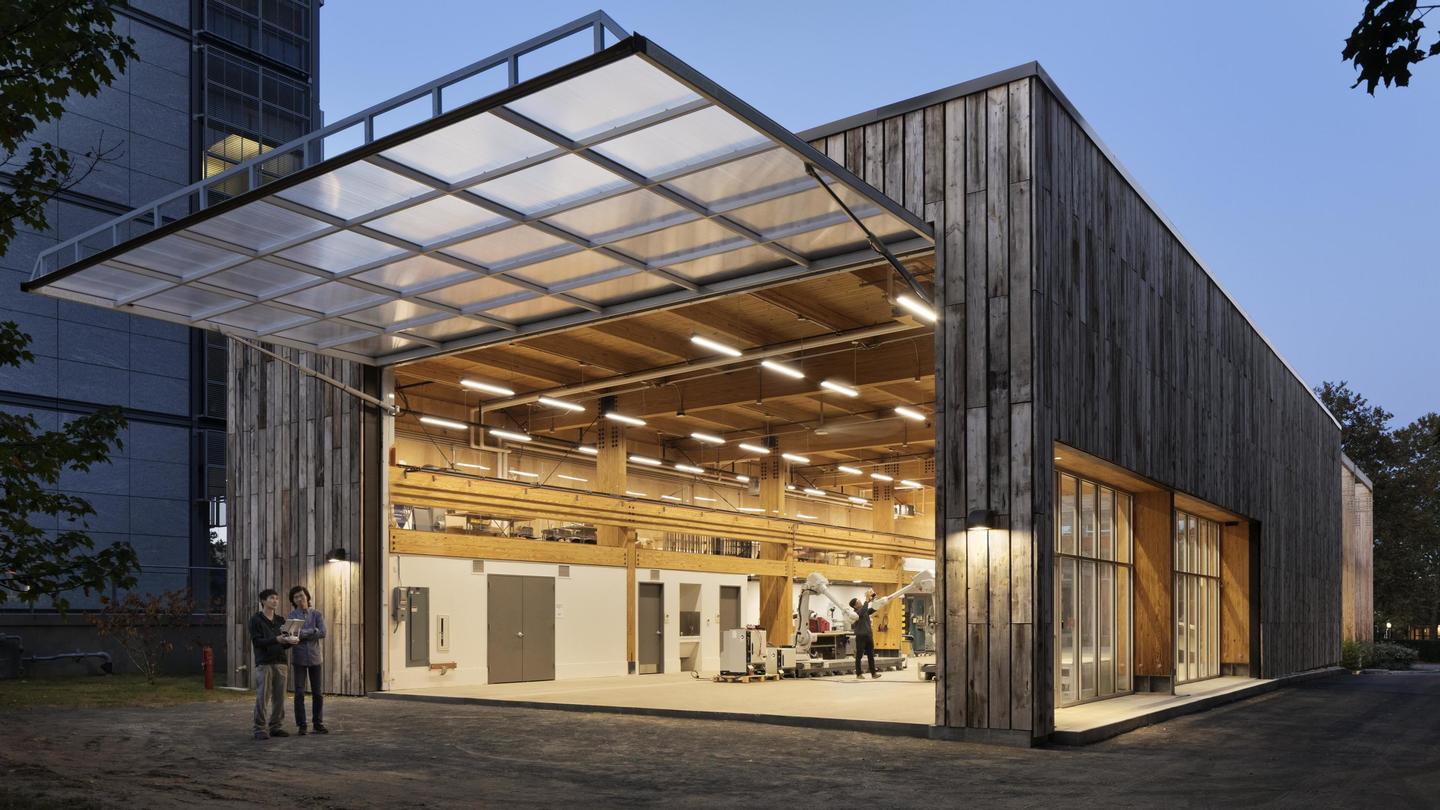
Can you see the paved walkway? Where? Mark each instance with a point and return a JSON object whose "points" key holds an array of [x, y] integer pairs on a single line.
{"points": [[1347, 741]]}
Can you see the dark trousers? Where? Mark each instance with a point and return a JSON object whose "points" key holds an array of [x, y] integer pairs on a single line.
{"points": [[864, 645], [298, 677]]}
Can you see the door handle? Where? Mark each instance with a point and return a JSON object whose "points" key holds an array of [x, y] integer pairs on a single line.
{"points": [[659, 633], [519, 634]]}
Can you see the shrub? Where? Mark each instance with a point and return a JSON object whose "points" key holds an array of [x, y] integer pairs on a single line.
{"points": [[1356, 655], [143, 626], [1429, 649]]}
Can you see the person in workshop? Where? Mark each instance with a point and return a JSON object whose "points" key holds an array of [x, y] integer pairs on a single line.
{"points": [[271, 647], [306, 659], [864, 635]]}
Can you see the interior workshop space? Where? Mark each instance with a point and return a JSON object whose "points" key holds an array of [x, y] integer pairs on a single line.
{"points": [[599, 388]]}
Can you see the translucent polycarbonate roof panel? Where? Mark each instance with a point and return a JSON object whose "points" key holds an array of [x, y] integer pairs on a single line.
{"points": [[622, 182]]}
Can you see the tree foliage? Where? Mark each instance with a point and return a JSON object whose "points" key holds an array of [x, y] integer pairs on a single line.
{"points": [[36, 563], [1386, 42], [145, 626], [50, 51], [1404, 464]]}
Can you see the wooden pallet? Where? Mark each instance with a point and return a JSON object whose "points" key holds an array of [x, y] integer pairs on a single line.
{"points": [[773, 676]]}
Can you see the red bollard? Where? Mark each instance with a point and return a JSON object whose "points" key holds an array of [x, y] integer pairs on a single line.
{"points": [[207, 661]]}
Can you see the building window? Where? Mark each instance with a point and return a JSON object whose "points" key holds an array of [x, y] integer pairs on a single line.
{"points": [[1093, 587], [1197, 598], [249, 110]]}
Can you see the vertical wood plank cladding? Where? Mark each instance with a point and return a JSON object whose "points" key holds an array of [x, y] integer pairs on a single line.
{"points": [[953, 657], [1235, 594], [294, 494], [1357, 605], [1154, 647], [1148, 364], [915, 162]]}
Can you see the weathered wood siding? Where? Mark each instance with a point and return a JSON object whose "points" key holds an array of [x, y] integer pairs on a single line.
{"points": [[294, 494], [1142, 360]]}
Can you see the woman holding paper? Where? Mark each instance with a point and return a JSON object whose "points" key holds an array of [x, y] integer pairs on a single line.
{"points": [[306, 658]]}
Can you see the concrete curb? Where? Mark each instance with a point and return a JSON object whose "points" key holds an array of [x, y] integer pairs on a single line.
{"points": [[1105, 732]]}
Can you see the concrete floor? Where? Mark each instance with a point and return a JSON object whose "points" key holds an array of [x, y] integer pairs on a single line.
{"points": [[898, 702]]}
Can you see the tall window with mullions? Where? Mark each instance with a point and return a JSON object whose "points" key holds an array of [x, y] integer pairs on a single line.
{"points": [[1094, 580], [1197, 598]]}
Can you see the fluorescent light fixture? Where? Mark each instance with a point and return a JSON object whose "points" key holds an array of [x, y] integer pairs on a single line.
{"points": [[588, 450], [881, 477], [754, 448], [551, 402], [524, 474], [506, 434], [908, 484], [819, 493], [489, 388], [690, 469], [744, 479], [910, 413], [625, 420], [715, 346], [795, 458], [705, 499], [850, 470], [748, 509], [669, 498], [838, 388], [647, 461], [708, 438], [781, 368], [471, 466], [791, 488], [573, 478], [916, 307], [854, 499], [445, 423], [804, 516], [632, 493]]}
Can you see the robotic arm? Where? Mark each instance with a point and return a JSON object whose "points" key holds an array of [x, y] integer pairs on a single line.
{"points": [[816, 583]]}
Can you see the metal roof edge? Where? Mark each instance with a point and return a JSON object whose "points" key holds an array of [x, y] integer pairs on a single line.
{"points": [[1036, 70], [1354, 468]]}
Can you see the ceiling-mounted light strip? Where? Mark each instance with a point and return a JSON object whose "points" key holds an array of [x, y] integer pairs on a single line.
{"points": [[748, 509], [908, 484], [489, 388], [819, 493], [881, 477], [708, 438], [646, 460], [669, 498], [910, 413], [471, 466], [804, 516], [588, 450], [791, 488], [854, 499], [689, 468], [744, 479], [551, 402], [795, 458], [632, 493], [715, 346], [917, 308], [525, 474], [450, 424], [507, 434], [565, 477], [781, 368], [850, 470], [754, 448], [830, 385], [625, 420], [705, 499]]}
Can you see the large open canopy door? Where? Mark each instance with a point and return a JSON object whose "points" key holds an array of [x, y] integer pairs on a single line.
{"points": [[619, 183]]}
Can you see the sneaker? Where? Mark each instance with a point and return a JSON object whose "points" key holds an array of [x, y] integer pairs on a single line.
{"points": [[861, 677], [301, 732], [874, 674], [279, 732], [260, 735], [321, 729]]}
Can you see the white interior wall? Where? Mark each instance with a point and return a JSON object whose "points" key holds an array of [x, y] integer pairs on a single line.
{"points": [[709, 641]]}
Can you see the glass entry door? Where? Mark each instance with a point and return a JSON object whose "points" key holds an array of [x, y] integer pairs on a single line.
{"points": [[1093, 587], [1197, 598]]}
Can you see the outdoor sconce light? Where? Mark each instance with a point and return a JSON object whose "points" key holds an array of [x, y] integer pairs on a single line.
{"points": [[980, 519], [335, 555]]}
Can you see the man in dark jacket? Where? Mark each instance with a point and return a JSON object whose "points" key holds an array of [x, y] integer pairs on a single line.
{"points": [[271, 666], [864, 636]]}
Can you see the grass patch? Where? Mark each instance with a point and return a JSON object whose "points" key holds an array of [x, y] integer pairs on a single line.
{"points": [[110, 690]]}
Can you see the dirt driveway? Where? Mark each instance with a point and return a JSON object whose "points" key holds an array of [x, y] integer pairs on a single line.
{"points": [[1356, 741]]}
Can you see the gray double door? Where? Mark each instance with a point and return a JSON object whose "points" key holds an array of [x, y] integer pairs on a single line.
{"points": [[522, 628]]}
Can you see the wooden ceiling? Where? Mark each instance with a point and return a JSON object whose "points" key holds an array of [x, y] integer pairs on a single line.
{"points": [[739, 401]]}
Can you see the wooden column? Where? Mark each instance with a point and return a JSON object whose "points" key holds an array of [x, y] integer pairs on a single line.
{"points": [[1154, 609], [1235, 599], [882, 519], [776, 593], [610, 474]]}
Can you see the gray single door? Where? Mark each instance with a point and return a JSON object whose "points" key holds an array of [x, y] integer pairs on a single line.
{"points": [[651, 615], [729, 607], [537, 647], [505, 609]]}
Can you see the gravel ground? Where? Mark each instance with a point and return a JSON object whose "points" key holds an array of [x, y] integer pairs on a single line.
{"points": [[1367, 740]]}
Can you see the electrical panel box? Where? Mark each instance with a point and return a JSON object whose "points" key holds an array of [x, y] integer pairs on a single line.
{"points": [[399, 604], [417, 627]]}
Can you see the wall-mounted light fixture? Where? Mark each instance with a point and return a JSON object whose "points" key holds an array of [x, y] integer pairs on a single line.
{"points": [[335, 555], [980, 519]]}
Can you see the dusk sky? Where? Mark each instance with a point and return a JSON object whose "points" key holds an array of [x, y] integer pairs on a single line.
{"points": [[1308, 200]]}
